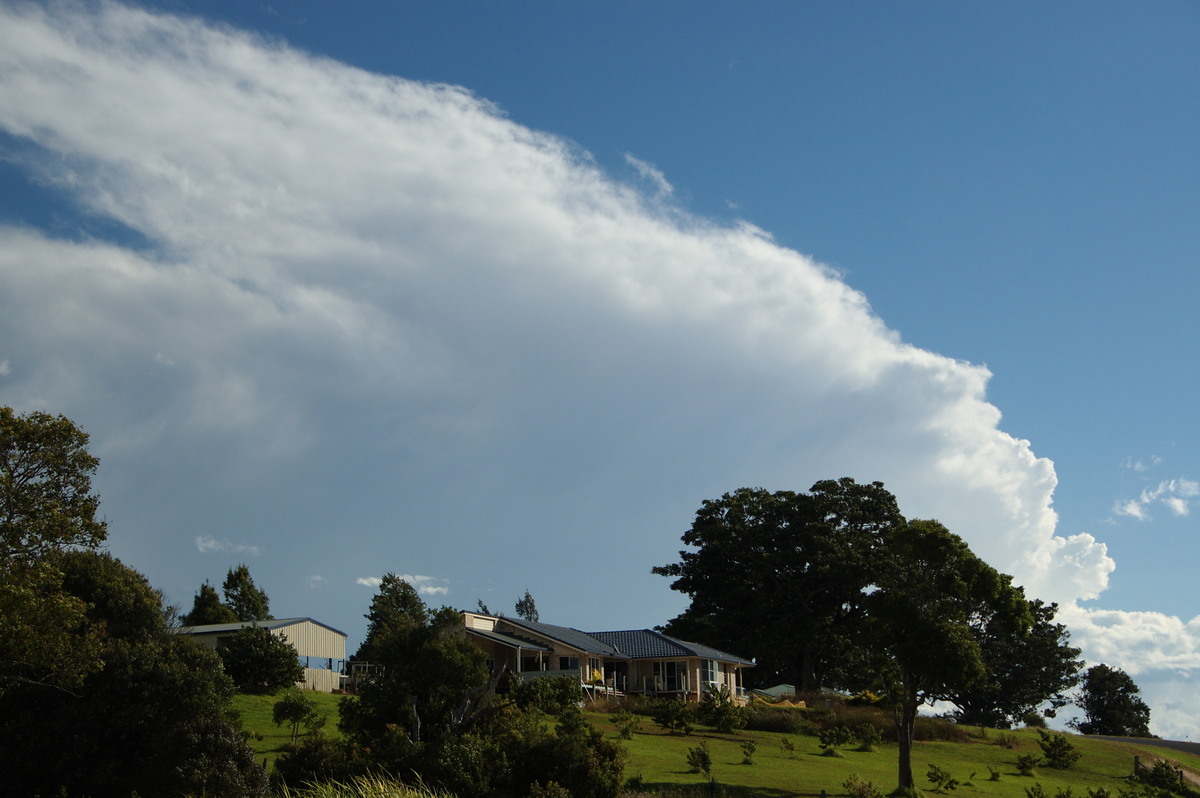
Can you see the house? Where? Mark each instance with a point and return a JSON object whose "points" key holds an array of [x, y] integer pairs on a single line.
{"points": [[635, 661], [321, 648]]}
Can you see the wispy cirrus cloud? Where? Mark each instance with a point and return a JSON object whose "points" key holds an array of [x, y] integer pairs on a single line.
{"points": [[424, 585], [206, 544], [1174, 494]]}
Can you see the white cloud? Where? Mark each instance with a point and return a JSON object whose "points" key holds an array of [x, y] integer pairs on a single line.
{"points": [[652, 175], [1142, 466], [1175, 494], [208, 545], [391, 311], [369, 581]]}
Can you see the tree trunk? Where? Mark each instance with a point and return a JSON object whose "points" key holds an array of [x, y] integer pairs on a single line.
{"points": [[906, 720]]}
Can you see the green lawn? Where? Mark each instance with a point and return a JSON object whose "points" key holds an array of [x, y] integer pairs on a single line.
{"points": [[266, 738], [660, 759]]}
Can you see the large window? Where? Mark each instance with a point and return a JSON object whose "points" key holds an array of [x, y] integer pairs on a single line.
{"points": [[670, 676], [710, 673]]}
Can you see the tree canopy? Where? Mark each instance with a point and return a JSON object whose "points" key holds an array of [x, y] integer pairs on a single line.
{"points": [[526, 608], [207, 608], [1111, 704], [259, 661], [246, 599], [780, 577]]}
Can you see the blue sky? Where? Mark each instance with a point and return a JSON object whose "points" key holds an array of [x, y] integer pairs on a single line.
{"points": [[494, 295]]}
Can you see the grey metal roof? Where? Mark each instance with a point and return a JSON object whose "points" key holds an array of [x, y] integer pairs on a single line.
{"points": [[649, 644], [571, 637], [508, 640], [274, 623]]}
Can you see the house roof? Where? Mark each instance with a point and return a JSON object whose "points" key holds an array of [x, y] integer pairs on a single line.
{"points": [[571, 637], [508, 640], [273, 623], [649, 644]]}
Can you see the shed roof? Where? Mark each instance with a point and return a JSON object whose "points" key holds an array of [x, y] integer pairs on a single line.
{"points": [[273, 623]]}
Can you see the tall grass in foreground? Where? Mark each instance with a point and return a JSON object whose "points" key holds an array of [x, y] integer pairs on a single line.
{"points": [[366, 787]]}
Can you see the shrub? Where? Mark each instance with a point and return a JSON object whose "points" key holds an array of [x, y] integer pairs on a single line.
{"points": [[941, 780], [627, 723], [1008, 741], [1034, 720], [1035, 791], [1026, 763], [868, 736], [699, 759], [721, 712], [788, 747], [1059, 752], [834, 738], [784, 720], [856, 787], [748, 749], [993, 774], [1163, 775], [549, 694], [296, 710], [551, 789], [673, 715], [259, 661]]}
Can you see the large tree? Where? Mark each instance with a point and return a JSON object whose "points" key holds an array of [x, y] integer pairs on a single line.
{"points": [[780, 577], [929, 597], [246, 599], [1024, 669], [1111, 704], [154, 719], [260, 661], [46, 508], [526, 607]]}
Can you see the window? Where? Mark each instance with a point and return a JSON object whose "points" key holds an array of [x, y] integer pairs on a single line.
{"points": [[670, 676], [710, 672]]}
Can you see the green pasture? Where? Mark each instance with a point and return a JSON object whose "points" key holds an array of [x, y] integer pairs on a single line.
{"points": [[269, 740]]}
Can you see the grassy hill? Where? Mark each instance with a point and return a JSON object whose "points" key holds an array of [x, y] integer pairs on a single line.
{"points": [[657, 760]]}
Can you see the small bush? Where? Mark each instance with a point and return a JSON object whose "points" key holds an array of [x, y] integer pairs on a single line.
{"points": [[868, 737], [627, 723], [941, 780], [993, 774], [1035, 791], [1026, 763], [1059, 752], [673, 715], [788, 747], [1099, 792], [1063, 793], [748, 749], [834, 738], [551, 789], [1163, 775], [1008, 741], [856, 787], [784, 720], [720, 711], [699, 759]]}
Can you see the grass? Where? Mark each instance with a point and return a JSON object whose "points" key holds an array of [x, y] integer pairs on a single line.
{"points": [[658, 760], [269, 740]]}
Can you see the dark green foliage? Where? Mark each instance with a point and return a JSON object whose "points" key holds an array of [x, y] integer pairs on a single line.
{"points": [[788, 747], [46, 499], [552, 695], [247, 601], [1162, 775], [1027, 763], [1034, 720], [699, 759], [395, 609], [207, 608], [993, 774], [46, 508], [1111, 704], [673, 715], [719, 710], [154, 719], [1026, 667], [749, 747], [787, 720], [1036, 791], [320, 759], [780, 577], [941, 779], [526, 608], [296, 710], [931, 591], [1057, 749], [259, 661]]}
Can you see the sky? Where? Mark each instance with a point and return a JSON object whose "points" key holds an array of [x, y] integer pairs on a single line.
{"points": [[495, 295]]}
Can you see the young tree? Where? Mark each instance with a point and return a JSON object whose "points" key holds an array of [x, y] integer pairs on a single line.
{"points": [[207, 608], [260, 662], [930, 593], [526, 608], [296, 710], [247, 601], [1024, 670], [154, 719], [1111, 704], [781, 576]]}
